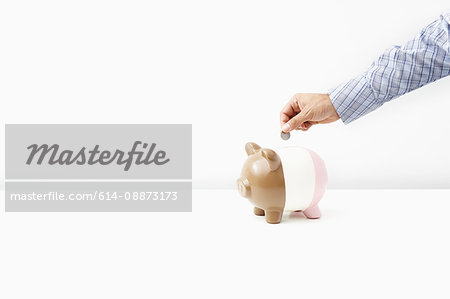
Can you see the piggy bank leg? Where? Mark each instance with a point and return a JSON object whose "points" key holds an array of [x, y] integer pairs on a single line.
{"points": [[274, 216], [312, 212], [258, 211]]}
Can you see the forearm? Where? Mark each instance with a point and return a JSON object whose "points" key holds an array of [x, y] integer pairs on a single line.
{"points": [[399, 70]]}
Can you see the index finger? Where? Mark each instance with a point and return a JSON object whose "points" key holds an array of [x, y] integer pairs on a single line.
{"points": [[289, 111]]}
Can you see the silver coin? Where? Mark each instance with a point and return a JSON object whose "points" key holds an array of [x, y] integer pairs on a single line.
{"points": [[285, 136]]}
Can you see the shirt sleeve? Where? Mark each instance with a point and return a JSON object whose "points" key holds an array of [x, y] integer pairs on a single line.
{"points": [[399, 70]]}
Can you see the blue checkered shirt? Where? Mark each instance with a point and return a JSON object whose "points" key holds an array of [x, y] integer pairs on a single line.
{"points": [[399, 70]]}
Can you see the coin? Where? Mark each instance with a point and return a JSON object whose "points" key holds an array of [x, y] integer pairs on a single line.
{"points": [[285, 136]]}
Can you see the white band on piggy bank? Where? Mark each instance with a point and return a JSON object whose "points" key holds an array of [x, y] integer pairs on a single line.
{"points": [[299, 177]]}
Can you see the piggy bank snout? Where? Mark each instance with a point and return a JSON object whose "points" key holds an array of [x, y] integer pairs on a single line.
{"points": [[243, 187]]}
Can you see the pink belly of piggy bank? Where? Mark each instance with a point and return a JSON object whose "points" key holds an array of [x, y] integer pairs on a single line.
{"points": [[305, 178]]}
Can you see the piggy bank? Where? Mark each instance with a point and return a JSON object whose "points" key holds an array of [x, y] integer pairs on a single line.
{"points": [[288, 179]]}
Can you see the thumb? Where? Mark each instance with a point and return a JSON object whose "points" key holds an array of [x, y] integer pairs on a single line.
{"points": [[296, 121]]}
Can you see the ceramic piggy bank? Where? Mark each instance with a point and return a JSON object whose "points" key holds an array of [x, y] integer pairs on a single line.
{"points": [[285, 179]]}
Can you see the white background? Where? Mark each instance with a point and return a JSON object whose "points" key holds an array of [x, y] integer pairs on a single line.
{"points": [[227, 67], [220, 250]]}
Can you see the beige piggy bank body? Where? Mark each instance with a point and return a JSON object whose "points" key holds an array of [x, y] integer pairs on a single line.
{"points": [[285, 179]]}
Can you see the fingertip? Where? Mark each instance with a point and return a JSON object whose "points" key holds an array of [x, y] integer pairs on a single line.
{"points": [[286, 128]]}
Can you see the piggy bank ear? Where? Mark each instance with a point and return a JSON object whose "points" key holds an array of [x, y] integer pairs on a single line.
{"points": [[252, 148], [272, 159]]}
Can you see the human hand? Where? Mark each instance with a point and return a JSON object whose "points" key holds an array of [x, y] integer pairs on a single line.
{"points": [[306, 109]]}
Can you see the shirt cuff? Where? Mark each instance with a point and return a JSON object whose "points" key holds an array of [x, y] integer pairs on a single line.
{"points": [[353, 99]]}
